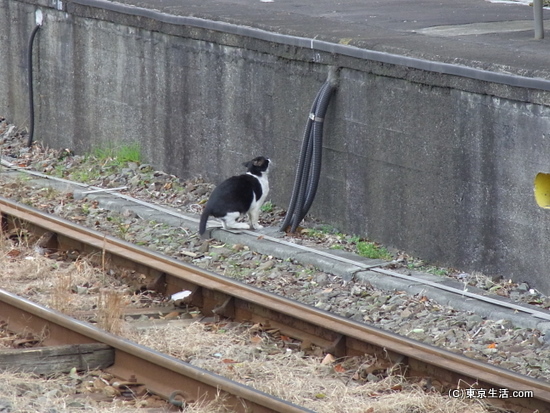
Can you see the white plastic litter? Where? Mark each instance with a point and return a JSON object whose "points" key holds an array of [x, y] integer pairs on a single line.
{"points": [[181, 295]]}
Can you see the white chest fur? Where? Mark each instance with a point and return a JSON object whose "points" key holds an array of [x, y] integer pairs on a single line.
{"points": [[264, 182]]}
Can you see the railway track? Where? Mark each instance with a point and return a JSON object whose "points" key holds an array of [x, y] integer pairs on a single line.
{"points": [[223, 298]]}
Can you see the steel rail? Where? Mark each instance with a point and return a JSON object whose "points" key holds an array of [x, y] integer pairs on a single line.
{"points": [[223, 297], [162, 374]]}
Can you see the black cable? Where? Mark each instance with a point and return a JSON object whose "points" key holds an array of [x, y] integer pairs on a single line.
{"points": [[317, 138], [30, 85], [309, 166], [301, 164]]}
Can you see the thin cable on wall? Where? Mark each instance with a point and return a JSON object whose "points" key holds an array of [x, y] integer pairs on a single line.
{"points": [[29, 77]]}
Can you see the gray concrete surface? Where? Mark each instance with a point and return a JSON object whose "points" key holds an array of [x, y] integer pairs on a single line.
{"points": [[438, 30], [432, 142]]}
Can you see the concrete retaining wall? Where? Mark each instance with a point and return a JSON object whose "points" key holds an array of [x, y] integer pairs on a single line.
{"points": [[437, 165]]}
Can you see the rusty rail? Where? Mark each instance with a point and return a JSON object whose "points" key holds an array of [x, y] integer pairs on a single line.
{"points": [[160, 373], [217, 295]]}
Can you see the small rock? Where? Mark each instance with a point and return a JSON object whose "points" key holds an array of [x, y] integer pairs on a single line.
{"points": [[74, 405], [238, 247], [133, 166], [508, 364], [523, 287], [205, 246], [321, 279], [488, 338], [129, 213], [406, 313], [473, 321], [110, 391], [200, 190], [373, 378], [514, 295], [80, 290], [267, 265], [536, 341], [155, 186], [145, 167], [506, 324]]}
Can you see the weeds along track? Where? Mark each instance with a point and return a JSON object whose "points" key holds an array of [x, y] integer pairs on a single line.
{"points": [[220, 298]]}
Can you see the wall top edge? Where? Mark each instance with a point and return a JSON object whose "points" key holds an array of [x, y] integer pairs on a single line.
{"points": [[502, 76]]}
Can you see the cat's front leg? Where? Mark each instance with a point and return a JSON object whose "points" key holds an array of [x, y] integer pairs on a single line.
{"points": [[254, 215]]}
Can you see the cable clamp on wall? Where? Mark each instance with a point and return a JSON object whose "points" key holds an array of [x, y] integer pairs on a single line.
{"points": [[315, 118]]}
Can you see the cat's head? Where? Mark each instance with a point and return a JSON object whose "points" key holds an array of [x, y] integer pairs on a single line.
{"points": [[257, 166]]}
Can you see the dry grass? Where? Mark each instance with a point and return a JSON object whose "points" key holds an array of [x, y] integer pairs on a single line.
{"points": [[66, 286], [236, 353], [292, 376], [110, 308]]}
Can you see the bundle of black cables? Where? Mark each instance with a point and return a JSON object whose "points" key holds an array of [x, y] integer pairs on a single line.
{"points": [[309, 166]]}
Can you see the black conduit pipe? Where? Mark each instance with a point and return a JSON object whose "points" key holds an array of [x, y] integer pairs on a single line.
{"points": [[317, 134], [308, 171], [30, 85], [303, 163]]}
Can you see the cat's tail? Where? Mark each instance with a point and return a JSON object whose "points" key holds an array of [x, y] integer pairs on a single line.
{"points": [[204, 218]]}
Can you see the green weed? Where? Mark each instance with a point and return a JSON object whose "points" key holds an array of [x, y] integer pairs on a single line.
{"points": [[437, 271], [118, 155], [373, 251], [82, 174], [100, 161], [267, 207]]}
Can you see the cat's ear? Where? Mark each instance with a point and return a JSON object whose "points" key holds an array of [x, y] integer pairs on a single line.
{"points": [[259, 161], [247, 164]]}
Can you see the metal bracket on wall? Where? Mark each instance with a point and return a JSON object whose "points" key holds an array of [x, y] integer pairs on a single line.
{"points": [[59, 5]]}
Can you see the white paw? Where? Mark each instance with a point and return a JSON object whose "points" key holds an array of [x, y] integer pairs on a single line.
{"points": [[257, 226], [239, 225]]}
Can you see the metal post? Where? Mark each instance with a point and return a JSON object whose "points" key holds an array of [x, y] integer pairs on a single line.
{"points": [[537, 14]]}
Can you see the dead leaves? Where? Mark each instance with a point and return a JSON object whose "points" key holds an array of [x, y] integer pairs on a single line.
{"points": [[9, 339], [14, 253], [339, 368]]}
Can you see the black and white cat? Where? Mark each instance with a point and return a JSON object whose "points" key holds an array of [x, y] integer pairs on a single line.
{"points": [[239, 195]]}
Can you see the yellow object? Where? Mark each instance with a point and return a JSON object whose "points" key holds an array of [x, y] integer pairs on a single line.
{"points": [[542, 190]]}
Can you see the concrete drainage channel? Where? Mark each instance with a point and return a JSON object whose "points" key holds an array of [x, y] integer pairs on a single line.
{"points": [[346, 265]]}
